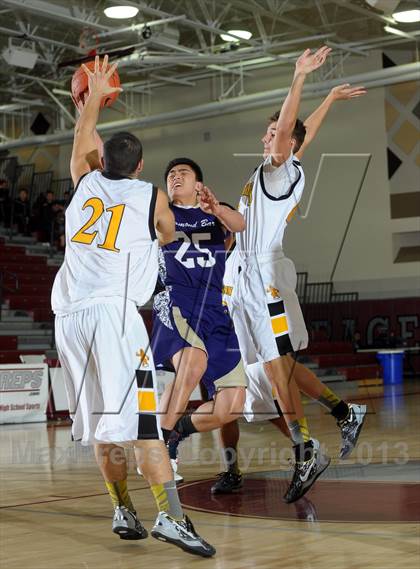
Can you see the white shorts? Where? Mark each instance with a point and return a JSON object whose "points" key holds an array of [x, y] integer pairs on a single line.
{"points": [[109, 374], [265, 309], [259, 402]]}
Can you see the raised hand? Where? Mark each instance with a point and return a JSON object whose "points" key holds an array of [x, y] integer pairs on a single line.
{"points": [[98, 79], [346, 91], [309, 61], [79, 104], [208, 201]]}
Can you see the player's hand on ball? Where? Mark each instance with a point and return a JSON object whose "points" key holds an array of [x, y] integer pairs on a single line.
{"points": [[98, 79], [208, 201], [346, 91], [309, 61]]}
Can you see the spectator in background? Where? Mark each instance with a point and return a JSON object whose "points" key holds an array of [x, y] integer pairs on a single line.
{"points": [[46, 217], [4, 202], [67, 199], [357, 341], [58, 225], [22, 212]]}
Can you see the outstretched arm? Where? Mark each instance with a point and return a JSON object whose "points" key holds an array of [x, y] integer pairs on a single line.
{"points": [[96, 146], [164, 219], [84, 135], [306, 63], [230, 218], [315, 120]]}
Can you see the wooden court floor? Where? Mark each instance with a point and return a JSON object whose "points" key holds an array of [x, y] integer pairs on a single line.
{"points": [[363, 514]]}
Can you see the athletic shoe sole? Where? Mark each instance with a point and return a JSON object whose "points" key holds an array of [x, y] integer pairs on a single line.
{"points": [[129, 534], [181, 545]]}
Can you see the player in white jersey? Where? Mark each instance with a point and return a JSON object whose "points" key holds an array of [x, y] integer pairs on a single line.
{"points": [[260, 401], [264, 285], [110, 268]]}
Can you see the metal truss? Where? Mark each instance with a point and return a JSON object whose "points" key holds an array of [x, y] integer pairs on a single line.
{"points": [[182, 47]]}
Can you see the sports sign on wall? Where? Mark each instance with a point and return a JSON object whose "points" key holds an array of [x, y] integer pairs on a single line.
{"points": [[23, 393]]}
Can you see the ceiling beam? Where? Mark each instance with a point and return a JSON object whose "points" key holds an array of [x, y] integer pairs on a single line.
{"points": [[371, 79], [33, 37], [254, 7], [364, 11], [144, 8], [53, 11]]}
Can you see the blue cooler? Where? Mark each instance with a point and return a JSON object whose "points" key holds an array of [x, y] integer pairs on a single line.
{"points": [[392, 365]]}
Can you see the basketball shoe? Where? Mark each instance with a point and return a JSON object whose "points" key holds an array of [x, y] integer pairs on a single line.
{"points": [[182, 534], [227, 483], [126, 525], [306, 473], [350, 428]]}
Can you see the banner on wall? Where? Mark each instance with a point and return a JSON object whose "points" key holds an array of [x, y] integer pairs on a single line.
{"points": [[23, 393], [399, 317]]}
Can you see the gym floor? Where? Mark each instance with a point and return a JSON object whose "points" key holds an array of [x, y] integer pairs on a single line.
{"points": [[364, 512]]}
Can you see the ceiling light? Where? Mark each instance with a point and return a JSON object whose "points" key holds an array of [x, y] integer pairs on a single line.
{"points": [[407, 16], [121, 12], [241, 34]]}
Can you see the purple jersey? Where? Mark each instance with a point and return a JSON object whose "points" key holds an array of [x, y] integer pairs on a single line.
{"points": [[196, 260]]}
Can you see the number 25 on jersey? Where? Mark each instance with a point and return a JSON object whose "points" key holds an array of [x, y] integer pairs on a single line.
{"points": [[98, 209]]}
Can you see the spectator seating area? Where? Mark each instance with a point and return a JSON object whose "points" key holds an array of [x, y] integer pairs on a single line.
{"points": [[26, 321], [33, 203]]}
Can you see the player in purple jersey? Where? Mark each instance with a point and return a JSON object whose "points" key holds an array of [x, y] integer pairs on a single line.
{"points": [[192, 330]]}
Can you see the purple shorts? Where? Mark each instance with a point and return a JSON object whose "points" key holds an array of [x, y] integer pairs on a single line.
{"points": [[181, 321]]}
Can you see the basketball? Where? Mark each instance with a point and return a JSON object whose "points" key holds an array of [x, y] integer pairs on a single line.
{"points": [[79, 85]]}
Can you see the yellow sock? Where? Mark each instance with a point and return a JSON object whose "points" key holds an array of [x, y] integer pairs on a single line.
{"points": [[167, 499], [118, 492], [329, 399], [303, 424], [161, 497]]}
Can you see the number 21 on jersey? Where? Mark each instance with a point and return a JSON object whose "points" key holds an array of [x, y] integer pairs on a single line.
{"points": [[98, 209]]}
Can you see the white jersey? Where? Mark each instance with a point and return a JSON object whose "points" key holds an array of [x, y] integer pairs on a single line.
{"points": [[111, 245], [267, 203]]}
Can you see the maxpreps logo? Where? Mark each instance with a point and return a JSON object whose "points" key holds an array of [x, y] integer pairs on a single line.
{"points": [[20, 380]]}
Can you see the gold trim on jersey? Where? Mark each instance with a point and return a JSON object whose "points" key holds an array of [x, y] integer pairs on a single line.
{"points": [[247, 192], [292, 214]]}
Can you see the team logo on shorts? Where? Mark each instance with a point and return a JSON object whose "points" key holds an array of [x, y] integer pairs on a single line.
{"points": [[227, 290], [144, 360], [275, 293]]}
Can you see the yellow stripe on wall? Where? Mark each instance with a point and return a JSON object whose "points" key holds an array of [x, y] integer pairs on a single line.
{"points": [[279, 324], [146, 400]]}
